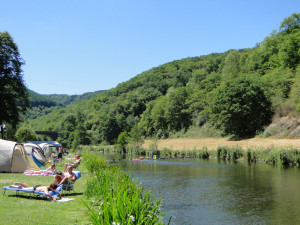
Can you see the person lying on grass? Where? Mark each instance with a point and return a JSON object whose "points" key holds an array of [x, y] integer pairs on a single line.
{"points": [[45, 189]]}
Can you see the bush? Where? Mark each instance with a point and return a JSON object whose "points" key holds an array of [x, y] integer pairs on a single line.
{"points": [[25, 133]]}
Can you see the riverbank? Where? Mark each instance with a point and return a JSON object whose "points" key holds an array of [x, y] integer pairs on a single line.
{"points": [[214, 143], [104, 195], [116, 198], [23, 209]]}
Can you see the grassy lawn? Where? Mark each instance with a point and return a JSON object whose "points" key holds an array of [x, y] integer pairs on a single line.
{"points": [[25, 210]]}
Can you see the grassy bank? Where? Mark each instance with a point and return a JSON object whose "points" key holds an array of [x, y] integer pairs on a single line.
{"points": [[24, 210], [114, 198], [103, 195]]}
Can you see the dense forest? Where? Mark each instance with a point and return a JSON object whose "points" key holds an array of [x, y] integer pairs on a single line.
{"points": [[41, 105], [237, 93]]}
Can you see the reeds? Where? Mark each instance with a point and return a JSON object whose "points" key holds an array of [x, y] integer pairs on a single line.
{"points": [[116, 198]]}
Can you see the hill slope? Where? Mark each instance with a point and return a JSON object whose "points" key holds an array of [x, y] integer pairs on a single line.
{"points": [[41, 105], [180, 95]]}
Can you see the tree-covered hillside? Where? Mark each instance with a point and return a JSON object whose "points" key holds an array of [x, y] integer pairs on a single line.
{"points": [[43, 104], [238, 92]]}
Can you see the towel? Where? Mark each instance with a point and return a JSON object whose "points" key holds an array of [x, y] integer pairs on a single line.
{"points": [[65, 200]]}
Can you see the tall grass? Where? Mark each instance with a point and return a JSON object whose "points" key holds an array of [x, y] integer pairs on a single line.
{"points": [[229, 153], [115, 198], [273, 155]]}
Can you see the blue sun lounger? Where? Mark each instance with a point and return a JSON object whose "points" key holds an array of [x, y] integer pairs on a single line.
{"points": [[62, 188], [30, 191]]}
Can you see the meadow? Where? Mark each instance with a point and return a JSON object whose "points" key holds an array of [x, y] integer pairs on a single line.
{"points": [[213, 143]]}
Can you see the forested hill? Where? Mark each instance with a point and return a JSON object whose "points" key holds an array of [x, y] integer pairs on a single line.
{"points": [[237, 92], [43, 104]]}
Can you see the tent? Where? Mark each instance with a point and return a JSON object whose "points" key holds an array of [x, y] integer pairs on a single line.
{"points": [[36, 153], [48, 147], [37, 162], [14, 159]]}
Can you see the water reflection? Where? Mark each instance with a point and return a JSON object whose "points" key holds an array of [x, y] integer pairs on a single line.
{"points": [[210, 192]]}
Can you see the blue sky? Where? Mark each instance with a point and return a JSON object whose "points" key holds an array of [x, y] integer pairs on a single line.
{"points": [[73, 47]]}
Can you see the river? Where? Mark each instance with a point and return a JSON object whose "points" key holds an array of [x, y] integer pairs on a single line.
{"points": [[197, 191]]}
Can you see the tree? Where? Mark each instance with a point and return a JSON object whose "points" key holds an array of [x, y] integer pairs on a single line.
{"points": [[176, 112], [25, 133], [80, 136], [14, 98], [136, 136], [123, 140], [290, 24], [241, 107], [289, 51], [231, 68]]}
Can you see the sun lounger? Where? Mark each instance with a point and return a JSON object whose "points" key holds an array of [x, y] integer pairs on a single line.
{"points": [[30, 191]]}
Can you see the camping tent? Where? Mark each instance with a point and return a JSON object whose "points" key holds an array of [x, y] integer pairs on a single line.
{"points": [[48, 147], [36, 152], [13, 158]]}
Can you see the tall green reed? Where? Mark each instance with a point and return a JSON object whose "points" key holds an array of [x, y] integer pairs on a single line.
{"points": [[116, 198]]}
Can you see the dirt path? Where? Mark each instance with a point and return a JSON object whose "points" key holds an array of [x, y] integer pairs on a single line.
{"points": [[213, 143]]}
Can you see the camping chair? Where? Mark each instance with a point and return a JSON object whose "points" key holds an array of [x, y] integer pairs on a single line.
{"points": [[68, 187]]}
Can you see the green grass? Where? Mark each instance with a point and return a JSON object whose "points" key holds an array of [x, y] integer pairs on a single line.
{"points": [[115, 198], [25, 210]]}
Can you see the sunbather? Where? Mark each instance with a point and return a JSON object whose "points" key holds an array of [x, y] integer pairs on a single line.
{"points": [[74, 164], [45, 189], [52, 168], [68, 176]]}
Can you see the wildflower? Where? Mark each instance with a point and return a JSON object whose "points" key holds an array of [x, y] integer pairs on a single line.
{"points": [[132, 218]]}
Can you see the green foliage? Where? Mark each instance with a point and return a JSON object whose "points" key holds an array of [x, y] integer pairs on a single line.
{"points": [[289, 51], [229, 153], [241, 107], [291, 23], [175, 97], [25, 133], [136, 135], [115, 198], [123, 140], [231, 68], [41, 105], [40, 100], [14, 99]]}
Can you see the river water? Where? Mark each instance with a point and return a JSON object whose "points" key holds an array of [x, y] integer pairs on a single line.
{"points": [[197, 191]]}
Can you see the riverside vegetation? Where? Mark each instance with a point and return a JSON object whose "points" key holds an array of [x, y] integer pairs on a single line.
{"points": [[115, 198], [272, 155]]}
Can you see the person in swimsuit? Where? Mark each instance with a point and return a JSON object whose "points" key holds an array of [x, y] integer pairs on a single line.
{"points": [[45, 189], [68, 176], [74, 164]]}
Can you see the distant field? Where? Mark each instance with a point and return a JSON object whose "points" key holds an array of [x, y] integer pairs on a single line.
{"points": [[213, 143]]}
